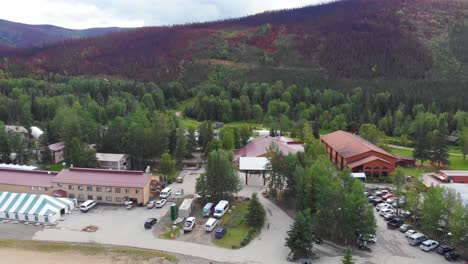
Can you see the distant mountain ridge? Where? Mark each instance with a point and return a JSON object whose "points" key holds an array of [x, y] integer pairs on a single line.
{"points": [[24, 35], [350, 40]]}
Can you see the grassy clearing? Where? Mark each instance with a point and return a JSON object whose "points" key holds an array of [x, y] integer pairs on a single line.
{"points": [[133, 253], [456, 161], [236, 225], [167, 235]]}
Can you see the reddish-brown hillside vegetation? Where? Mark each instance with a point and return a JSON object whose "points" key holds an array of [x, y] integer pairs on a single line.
{"points": [[357, 39]]}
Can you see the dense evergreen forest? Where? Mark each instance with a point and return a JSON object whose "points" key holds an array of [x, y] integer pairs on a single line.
{"points": [[122, 116]]}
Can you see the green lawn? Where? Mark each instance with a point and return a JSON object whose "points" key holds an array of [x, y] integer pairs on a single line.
{"points": [[176, 232], [236, 225], [456, 162]]}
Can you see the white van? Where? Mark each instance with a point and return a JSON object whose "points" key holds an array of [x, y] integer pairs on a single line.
{"points": [[165, 193], [221, 208], [211, 224], [417, 239], [86, 206]]}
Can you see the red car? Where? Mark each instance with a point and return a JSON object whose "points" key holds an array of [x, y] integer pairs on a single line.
{"points": [[390, 195]]}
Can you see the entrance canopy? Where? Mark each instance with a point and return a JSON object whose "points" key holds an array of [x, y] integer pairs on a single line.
{"points": [[359, 175], [253, 163]]}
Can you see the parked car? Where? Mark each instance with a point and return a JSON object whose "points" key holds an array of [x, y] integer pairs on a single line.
{"points": [[451, 256], [151, 204], [383, 206], [386, 211], [150, 222], [429, 245], [370, 198], [405, 227], [160, 203], [208, 209], [389, 216], [179, 192], [395, 223], [368, 238], [88, 205], [388, 196], [417, 239], [189, 224], [442, 249], [220, 232], [376, 201], [180, 178], [410, 233]]}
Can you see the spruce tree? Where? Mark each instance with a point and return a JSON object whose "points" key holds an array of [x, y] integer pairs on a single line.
{"points": [[347, 258], [300, 235], [256, 213], [439, 151]]}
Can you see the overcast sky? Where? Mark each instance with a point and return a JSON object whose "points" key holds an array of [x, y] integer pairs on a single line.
{"points": [[79, 14]]}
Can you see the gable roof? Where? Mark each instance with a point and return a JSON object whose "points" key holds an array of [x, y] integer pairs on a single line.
{"points": [[259, 147], [348, 145], [109, 156], [57, 146], [365, 160], [102, 177], [32, 204], [26, 177]]}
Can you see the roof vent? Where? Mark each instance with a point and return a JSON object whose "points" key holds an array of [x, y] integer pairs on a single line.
{"points": [[48, 172]]}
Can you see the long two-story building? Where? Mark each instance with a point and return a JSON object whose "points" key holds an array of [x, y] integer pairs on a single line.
{"points": [[104, 186]]}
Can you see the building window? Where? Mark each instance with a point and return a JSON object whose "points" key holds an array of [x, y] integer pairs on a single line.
{"points": [[137, 191], [32, 188], [98, 189], [80, 188], [118, 199], [16, 216], [46, 189], [36, 218], [117, 190], [26, 217], [108, 198], [108, 189], [59, 185], [80, 197], [127, 190], [90, 197], [71, 187], [39, 188], [46, 219], [71, 195], [89, 188], [7, 215], [99, 198]]}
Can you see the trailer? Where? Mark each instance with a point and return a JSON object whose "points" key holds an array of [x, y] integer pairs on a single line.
{"points": [[185, 209]]}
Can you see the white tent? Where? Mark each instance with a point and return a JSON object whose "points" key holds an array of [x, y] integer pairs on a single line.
{"points": [[34, 207]]}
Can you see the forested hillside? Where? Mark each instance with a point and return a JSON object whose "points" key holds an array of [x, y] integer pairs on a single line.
{"points": [[24, 35], [397, 64]]}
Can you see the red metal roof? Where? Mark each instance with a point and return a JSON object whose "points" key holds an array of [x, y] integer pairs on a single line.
{"points": [[364, 161], [348, 145], [101, 177], [59, 193], [26, 177], [259, 147]]}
